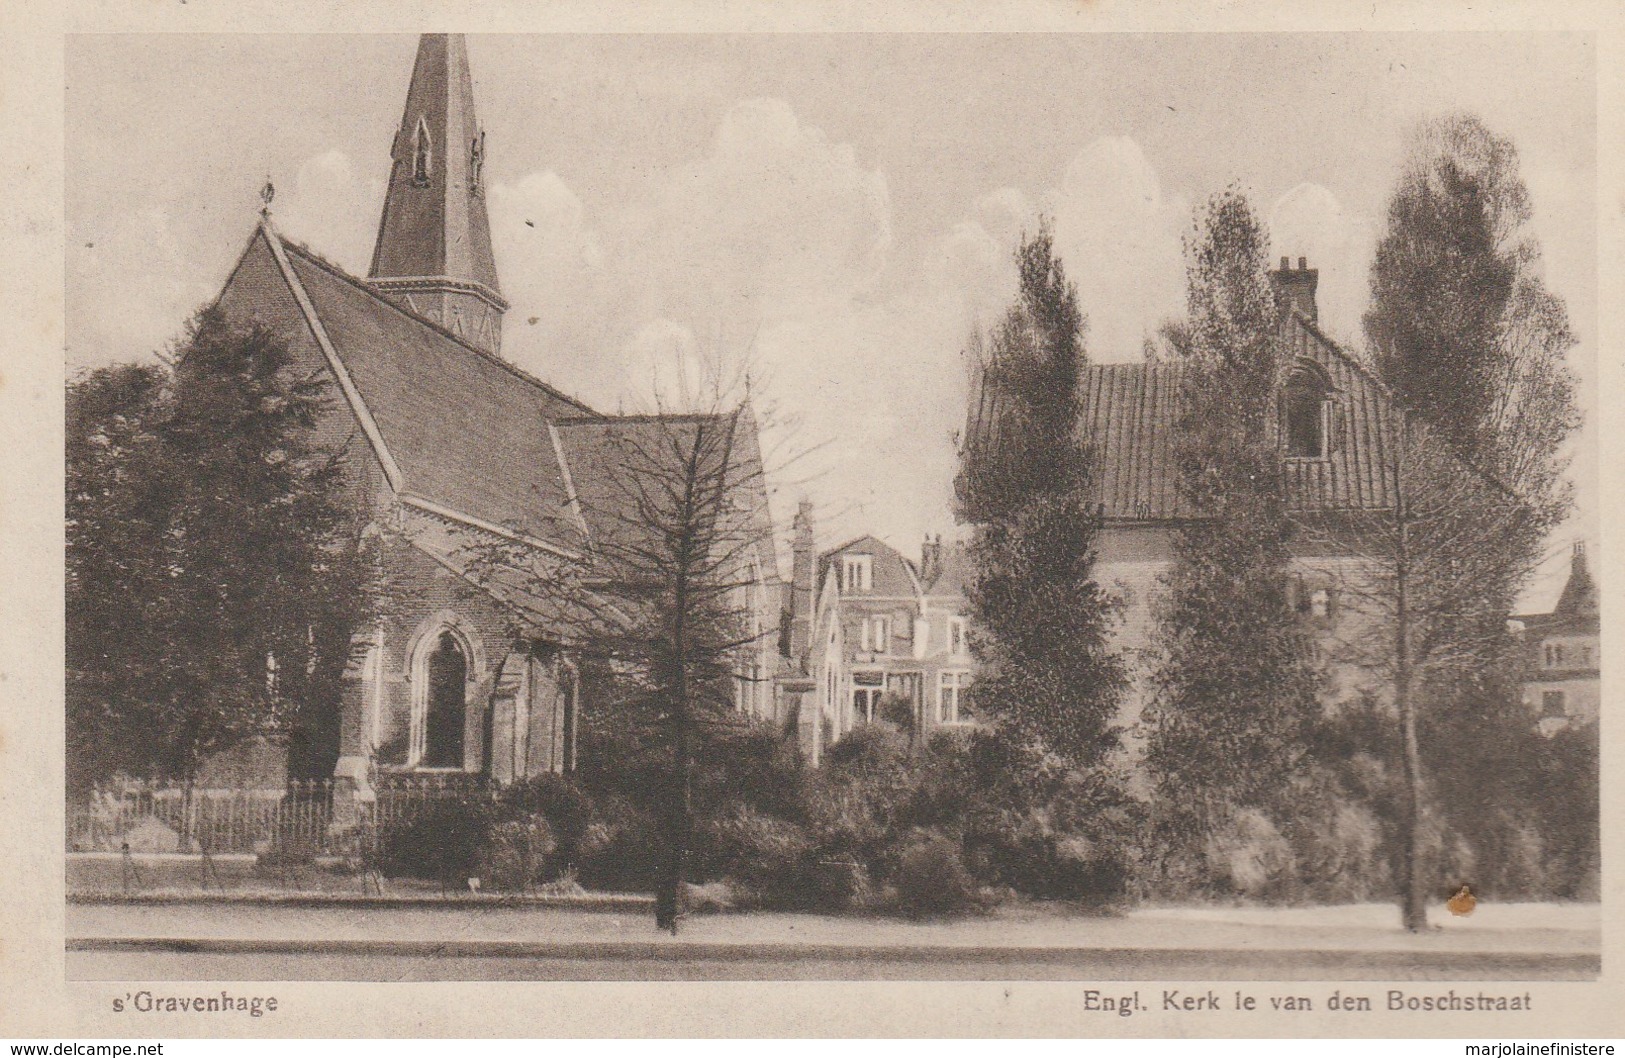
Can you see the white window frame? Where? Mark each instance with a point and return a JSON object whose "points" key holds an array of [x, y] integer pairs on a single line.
{"points": [[857, 573], [880, 634], [954, 682], [958, 637], [871, 693]]}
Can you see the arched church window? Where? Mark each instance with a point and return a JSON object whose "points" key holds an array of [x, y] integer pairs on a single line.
{"points": [[422, 154], [446, 705]]}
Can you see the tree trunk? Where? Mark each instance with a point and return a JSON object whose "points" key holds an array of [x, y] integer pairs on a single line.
{"points": [[1412, 898], [668, 898]]}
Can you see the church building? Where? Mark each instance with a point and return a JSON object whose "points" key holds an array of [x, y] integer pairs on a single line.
{"points": [[453, 447]]}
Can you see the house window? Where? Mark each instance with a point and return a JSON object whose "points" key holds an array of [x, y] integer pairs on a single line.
{"points": [[446, 705], [1554, 655], [867, 687], [1551, 704], [1318, 603], [877, 635], [957, 643], [1307, 413], [950, 696], [857, 573]]}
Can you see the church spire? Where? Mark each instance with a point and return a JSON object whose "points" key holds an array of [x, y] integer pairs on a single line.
{"points": [[433, 253]]}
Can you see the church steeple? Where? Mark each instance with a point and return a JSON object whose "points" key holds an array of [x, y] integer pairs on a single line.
{"points": [[433, 253]]}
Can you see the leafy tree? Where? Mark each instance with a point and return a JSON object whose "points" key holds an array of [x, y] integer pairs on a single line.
{"points": [[1237, 687], [1464, 332], [1425, 586], [214, 560], [1461, 325], [1048, 677]]}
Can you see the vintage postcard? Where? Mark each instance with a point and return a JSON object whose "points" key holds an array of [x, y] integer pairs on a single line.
{"points": [[1041, 523]]}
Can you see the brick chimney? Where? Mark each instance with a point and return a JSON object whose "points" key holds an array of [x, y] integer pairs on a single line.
{"points": [[930, 559], [1297, 286], [802, 572]]}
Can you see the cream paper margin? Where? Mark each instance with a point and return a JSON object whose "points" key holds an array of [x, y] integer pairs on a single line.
{"points": [[35, 998]]}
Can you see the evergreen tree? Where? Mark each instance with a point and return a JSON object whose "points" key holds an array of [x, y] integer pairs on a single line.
{"points": [[1048, 677], [214, 562], [1236, 689]]}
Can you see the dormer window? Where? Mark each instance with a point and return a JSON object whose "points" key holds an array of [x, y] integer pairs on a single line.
{"points": [[422, 154], [1308, 413], [857, 573]]}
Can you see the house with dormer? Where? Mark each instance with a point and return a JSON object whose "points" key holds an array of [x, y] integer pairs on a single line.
{"points": [[877, 637]]}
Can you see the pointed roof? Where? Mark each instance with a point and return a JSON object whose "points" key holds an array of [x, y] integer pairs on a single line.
{"points": [[1579, 598], [435, 224], [891, 575]]}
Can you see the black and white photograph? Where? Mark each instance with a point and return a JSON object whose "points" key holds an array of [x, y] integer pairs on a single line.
{"points": [[1120, 512]]}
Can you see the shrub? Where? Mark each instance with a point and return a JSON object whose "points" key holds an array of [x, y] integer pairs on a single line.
{"points": [[562, 803], [831, 882], [442, 841], [762, 852], [622, 849], [931, 880], [515, 854], [1250, 856]]}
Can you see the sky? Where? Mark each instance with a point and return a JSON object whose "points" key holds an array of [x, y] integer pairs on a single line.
{"points": [[832, 213]]}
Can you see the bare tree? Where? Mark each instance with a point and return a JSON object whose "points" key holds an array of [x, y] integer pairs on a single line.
{"points": [[1424, 585], [673, 596]]}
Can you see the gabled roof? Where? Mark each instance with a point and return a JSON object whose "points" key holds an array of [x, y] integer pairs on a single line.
{"points": [[1131, 414], [459, 428]]}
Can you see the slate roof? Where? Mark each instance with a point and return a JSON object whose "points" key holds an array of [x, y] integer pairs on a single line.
{"points": [[468, 430], [1131, 411], [603, 454]]}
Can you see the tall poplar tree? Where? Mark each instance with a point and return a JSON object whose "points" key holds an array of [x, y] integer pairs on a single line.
{"points": [[1236, 689], [1048, 676], [1463, 330], [1461, 325]]}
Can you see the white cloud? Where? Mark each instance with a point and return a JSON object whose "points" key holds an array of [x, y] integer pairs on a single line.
{"points": [[332, 210], [667, 372], [1309, 221], [1120, 239], [776, 220]]}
